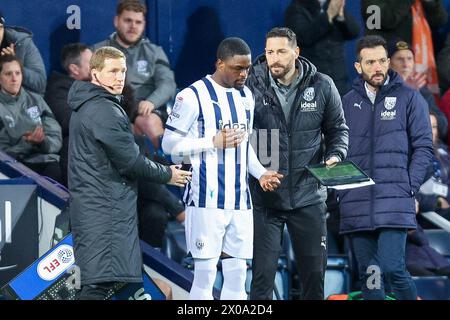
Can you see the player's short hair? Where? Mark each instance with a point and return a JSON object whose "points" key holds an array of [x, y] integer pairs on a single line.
{"points": [[131, 5], [71, 54], [370, 41], [10, 58], [233, 46], [283, 32], [101, 54]]}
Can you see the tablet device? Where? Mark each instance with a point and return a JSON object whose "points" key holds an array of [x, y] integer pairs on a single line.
{"points": [[345, 172]]}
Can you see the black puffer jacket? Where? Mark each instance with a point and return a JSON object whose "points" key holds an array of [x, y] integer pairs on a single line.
{"points": [[104, 164], [317, 110]]}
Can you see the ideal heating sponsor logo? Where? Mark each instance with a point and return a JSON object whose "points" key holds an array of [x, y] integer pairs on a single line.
{"points": [[308, 105], [389, 105], [230, 125], [57, 262]]}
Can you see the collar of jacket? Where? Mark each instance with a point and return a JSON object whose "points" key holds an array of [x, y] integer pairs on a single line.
{"points": [[83, 91], [395, 81], [6, 98], [142, 39], [261, 74]]}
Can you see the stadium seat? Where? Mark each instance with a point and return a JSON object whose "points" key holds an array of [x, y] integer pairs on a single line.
{"points": [[439, 240], [337, 275], [174, 243], [433, 288]]}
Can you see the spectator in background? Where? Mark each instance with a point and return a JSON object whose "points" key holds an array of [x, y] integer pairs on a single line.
{"points": [[75, 62], [390, 139], [433, 194], [396, 17], [28, 129], [444, 105], [421, 258], [17, 41], [148, 74], [322, 28], [396, 21], [402, 61], [443, 63]]}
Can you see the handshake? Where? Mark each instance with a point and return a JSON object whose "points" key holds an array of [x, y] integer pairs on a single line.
{"points": [[270, 180]]}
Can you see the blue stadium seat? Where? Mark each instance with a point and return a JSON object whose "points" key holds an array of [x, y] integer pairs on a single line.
{"points": [[174, 243], [337, 275], [433, 288], [439, 240]]}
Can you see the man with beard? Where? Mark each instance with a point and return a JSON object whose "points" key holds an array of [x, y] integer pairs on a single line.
{"points": [[304, 108], [390, 139], [148, 69]]}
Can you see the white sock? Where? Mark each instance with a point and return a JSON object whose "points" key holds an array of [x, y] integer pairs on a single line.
{"points": [[205, 271], [234, 275]]}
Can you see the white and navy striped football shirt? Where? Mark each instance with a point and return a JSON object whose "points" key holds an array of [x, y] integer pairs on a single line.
{"points": [[219, 176]]}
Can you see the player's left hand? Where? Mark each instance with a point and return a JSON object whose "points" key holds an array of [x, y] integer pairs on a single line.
{"points": [[332, 160], [270, 180]]}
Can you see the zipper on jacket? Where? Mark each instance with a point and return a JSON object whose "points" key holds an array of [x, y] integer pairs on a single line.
{"points": [[372, 192], [289, 130], [276, 104]]}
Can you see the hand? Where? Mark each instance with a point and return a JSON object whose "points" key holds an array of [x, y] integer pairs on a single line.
{"points": [[443, 203], [181, 217], [179, 177], [341, 10], [333, 9], [145, 108], [332, 160], [35, 137], [417, 80], [270, 180], [228, 138], [8, 50]]}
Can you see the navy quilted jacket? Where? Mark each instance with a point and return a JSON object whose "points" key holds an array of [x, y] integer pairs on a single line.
{"points": [[391, 141]]}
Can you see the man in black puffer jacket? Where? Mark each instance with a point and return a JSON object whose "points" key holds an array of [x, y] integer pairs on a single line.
{"points": [[303, 107], [104, 165]]}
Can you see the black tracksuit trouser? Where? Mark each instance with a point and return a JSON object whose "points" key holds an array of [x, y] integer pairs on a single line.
{"points": [[308, 233]]}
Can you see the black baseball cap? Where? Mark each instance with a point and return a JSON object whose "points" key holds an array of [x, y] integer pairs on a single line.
{"points": [[397, 45]]}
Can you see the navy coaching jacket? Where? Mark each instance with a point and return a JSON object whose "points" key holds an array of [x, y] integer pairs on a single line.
{"points": [[391, 141]]}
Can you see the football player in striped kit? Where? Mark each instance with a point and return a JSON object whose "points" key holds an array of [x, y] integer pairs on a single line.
{"points": [[209, 126]]}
